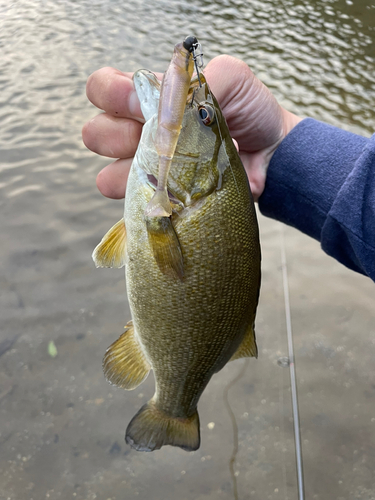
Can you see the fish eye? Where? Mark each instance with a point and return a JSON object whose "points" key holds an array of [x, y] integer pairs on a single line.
{"points": [[206, 114]]}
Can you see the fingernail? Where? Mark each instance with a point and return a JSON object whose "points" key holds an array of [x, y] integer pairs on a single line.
{"points": [[134, 106]]}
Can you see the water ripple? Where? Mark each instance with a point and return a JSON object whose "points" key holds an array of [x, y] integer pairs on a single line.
{"points": [[317, 57]]}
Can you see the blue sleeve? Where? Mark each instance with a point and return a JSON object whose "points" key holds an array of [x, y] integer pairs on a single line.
{"points": [[321, 180]]}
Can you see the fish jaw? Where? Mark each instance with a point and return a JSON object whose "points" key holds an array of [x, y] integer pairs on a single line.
{"points": [[147, 87]]}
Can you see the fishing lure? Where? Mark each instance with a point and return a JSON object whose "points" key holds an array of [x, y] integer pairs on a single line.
{"points": [[173, 95]]}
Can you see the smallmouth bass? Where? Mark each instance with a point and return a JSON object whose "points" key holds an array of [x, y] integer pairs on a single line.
{"points": [[193, 278]]}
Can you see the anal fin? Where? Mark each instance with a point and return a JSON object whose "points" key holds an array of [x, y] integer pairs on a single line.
{"points": [[165, 246], [248, 347], [111, 250], [124, 363]]}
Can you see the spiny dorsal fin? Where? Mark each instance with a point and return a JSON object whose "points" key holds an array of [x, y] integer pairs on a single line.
{"points": [[124, 363], [111, 250], [165, 246], [248, 347]]}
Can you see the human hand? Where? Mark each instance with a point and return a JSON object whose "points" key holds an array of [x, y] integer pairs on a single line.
{"points": [[255, 119]]}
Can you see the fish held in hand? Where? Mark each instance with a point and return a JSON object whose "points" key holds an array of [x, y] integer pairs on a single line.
{"points": [[193, 278]]}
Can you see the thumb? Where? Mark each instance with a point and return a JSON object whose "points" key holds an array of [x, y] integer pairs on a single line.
{"points": [[253, 115]]}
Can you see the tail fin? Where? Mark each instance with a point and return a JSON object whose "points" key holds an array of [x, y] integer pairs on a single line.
{"points": [[150, 429]]}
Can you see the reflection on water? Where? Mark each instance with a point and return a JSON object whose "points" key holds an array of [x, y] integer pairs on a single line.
{"points": [[61, 425]]}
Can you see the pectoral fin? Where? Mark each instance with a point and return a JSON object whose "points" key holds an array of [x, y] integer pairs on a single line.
{"points": [[124, 363], [165, 246], [248, 347], [111, 250]]}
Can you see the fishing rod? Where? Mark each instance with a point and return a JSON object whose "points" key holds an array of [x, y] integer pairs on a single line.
{"points": [[292, 370]]}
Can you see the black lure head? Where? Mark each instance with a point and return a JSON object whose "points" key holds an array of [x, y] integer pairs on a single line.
{"points": [[190, 43]]}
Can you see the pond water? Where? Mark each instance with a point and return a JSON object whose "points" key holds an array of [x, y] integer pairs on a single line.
{"points": [[61, 424]]}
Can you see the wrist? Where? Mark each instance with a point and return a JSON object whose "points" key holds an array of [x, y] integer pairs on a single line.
{"points": [[260, 162], [290, 120]]}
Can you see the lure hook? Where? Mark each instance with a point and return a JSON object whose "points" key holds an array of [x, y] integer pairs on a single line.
{"points": [[192, 45]]}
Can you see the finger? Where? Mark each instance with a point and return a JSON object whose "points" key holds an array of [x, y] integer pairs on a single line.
{"points": [[113, 137], [226, 76], [113, 91], [111, 181], [253, 115]]}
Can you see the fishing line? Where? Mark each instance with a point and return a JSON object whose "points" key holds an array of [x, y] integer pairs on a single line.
{"points": [[282, 428], [292, 370], [221, 139], [198, 62], [232, 460]]}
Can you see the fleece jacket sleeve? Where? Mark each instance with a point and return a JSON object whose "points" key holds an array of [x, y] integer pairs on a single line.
{"points": [[321, 180]]}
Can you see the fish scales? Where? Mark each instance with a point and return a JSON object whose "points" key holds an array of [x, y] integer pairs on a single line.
{"points": [[186, 327]]}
